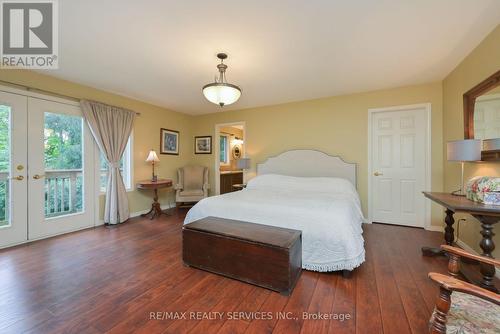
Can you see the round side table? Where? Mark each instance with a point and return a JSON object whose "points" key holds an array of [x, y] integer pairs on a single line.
{"points": [[156, 210]]}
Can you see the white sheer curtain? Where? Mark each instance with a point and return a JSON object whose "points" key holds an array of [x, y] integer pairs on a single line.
{"points": [[111, 128]]}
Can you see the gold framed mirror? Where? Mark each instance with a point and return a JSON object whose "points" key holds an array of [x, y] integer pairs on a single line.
{"points": [[482, 115]]}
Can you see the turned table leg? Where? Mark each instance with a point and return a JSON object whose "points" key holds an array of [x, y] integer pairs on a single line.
{"points": [[449, 236], [487, 245], [449, 231], [156, 210]]}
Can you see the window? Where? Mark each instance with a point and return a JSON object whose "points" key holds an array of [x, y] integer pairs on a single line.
{"points": [[64, 177], [224, 150], [125, 168]]}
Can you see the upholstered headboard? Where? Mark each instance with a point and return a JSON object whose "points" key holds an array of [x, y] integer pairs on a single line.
{"points": [[308, 163]]}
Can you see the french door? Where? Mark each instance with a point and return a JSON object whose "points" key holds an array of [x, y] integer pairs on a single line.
{"points": [[13, 173], [46, 169]]}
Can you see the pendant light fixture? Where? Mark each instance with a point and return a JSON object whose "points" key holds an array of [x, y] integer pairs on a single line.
{"points": [[221, 92]]}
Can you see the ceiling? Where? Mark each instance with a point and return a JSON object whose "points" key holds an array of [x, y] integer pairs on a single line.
{"points": [[280, 51]]}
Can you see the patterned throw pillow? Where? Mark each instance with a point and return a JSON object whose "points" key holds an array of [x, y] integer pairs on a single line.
{"points": [[478, 186]]}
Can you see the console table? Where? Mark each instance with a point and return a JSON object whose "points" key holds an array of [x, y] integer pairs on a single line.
{"points": [[487, 215], [156, 210]]}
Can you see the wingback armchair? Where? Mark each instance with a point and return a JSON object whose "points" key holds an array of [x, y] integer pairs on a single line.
{"points": [[462, 307], [192, 184]]}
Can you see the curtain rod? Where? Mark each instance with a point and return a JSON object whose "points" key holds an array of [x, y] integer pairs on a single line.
{"points": [[35, 90]]}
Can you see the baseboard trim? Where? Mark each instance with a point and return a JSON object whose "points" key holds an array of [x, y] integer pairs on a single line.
{"points": [[138, 213], [469, 249], [434, 228]]}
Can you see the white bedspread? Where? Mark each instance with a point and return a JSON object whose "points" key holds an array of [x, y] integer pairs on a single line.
{"points": [[326, 210]]}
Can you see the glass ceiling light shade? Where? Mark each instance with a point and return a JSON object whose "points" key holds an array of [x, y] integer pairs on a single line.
{"points": [[221, 92]]}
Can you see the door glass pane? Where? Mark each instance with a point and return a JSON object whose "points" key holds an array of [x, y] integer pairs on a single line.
{"points": [[4, 165], [63, 138]]}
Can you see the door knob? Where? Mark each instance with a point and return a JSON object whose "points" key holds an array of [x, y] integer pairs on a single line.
{"points": [[19, 178], [36, 176], [378, 173]]}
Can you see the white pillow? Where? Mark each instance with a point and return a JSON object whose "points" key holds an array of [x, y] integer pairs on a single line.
{"points": [[309, 184]]}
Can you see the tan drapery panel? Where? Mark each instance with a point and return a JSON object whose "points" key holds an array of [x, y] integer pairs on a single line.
{"points": [[111, 128]]}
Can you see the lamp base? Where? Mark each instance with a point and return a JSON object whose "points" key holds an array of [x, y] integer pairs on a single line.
{"points": [[458, 193], [154, 178]]}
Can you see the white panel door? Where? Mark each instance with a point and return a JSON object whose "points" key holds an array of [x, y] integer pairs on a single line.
{"points": [[61, 169], [13, 177], [398, 160]]}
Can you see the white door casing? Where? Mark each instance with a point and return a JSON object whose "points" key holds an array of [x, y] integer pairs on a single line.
{"points": [[14, 230], [399, 165]]}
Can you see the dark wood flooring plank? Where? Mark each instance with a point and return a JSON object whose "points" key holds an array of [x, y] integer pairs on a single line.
{"points": [[421, 265], [252, 303], [171, 288], [110, 279], [413, 302], [274, 303], [344, 306], [229, 300], [368, 316], [391, 307], [321, 304], [297, 303]]}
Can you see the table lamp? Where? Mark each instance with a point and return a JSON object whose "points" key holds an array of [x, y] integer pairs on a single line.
{"points": [[152, 157], [243, 163], [463, 151]]}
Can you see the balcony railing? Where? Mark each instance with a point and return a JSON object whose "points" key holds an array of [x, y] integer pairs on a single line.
{"points": [[63, 192]]}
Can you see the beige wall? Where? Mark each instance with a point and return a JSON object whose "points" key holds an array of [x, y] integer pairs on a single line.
{"points": [[483, 61], [146, 130], [335, 125]]}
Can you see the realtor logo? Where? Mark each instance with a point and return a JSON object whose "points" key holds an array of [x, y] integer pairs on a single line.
{"points": [[29, 34]]}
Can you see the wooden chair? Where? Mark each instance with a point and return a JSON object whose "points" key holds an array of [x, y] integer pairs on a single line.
{"points": [[450, 284]]}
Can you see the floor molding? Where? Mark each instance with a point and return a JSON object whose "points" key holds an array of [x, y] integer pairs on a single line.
{"points": [[434, 228], [138, 213]]}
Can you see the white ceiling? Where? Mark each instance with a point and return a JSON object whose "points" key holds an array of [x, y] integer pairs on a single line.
{"points": [[163, 52]]}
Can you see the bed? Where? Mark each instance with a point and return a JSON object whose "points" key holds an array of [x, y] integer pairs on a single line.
{"points": [[305, 190]]}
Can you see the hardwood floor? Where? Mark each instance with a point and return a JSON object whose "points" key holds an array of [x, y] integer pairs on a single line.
{"points": [[116, 279]]}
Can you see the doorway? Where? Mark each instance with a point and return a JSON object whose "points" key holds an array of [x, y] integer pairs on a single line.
{"points": [[230, 146], [399, 151], [46, 168]]}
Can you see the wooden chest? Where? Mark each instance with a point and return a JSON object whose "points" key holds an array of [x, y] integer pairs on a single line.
{"points": [[267, 256]]}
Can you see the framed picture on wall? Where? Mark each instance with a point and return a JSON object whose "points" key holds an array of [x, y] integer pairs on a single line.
{"points": [[203, 145], [169, 142]]}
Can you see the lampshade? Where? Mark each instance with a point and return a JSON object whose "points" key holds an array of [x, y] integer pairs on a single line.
{"points": [[464, 150], [243, 163], [152, 157]]}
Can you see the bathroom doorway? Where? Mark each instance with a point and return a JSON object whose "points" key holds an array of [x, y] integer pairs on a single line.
{"points": [[230, 142]]}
